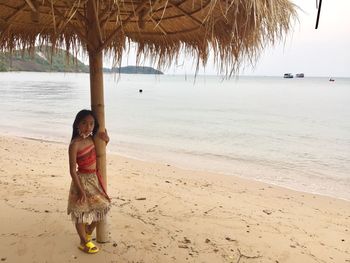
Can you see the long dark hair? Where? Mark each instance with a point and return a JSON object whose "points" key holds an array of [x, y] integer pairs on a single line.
{"points": [[80, 116]]}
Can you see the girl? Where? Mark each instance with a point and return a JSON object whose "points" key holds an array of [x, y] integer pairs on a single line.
{"points": [[88, 201]]}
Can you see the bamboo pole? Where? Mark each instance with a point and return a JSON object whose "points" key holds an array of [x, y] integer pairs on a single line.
{"points": [[97, 103]]}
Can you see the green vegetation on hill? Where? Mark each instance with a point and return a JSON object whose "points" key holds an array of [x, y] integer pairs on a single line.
{"points": [[60, 61]]}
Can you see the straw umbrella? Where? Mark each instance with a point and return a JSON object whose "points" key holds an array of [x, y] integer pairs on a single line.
{"points": [[233, 30]]}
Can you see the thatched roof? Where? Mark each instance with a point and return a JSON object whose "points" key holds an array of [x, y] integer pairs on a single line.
{"points": [[232, 29]]}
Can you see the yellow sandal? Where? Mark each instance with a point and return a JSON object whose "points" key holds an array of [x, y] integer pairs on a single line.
{"points": [[89, 248]]}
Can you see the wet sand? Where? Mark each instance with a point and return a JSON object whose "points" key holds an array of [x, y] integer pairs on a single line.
{"points": [[161, 213]]}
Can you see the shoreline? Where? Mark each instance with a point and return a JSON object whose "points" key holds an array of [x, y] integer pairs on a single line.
{"points": [[226, 174], [185, 167], [161, 213]]}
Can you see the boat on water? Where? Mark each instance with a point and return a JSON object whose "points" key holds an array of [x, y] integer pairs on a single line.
{"points": [[331, 79], [299, 75], [288, 76]]}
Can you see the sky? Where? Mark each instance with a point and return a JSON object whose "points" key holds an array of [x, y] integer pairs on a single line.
{"points": [[315, 52]]}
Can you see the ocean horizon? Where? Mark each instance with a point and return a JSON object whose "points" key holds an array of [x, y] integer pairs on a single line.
{"points": [[287, 132]]}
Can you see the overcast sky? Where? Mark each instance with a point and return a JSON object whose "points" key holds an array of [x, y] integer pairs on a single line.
{"points": [[315, 52]]}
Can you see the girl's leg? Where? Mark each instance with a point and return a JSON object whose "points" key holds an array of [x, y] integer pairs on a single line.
{"points": [[90, 228], [81, 232], [85, 246]]}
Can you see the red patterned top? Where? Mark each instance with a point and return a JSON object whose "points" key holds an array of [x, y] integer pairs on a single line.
{"points": [[86, 157]]}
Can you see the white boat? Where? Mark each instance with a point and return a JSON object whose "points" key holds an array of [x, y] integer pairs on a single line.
{"points": [[288, 75]]}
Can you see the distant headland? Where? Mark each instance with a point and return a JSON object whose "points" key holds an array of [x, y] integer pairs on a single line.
{"points": [[60, 61], [134, 70]]}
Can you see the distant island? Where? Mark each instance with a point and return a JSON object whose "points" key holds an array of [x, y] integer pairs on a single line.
{"points": [[60, 61], [133, 70]]}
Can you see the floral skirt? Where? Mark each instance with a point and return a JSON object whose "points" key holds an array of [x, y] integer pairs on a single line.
{"points": [[97, 203]]}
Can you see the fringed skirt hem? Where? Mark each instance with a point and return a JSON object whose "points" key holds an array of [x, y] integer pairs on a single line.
{"points": [[90, 216]]}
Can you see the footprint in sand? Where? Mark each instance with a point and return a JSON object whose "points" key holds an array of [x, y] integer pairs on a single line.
{"points": [[22, 248]]}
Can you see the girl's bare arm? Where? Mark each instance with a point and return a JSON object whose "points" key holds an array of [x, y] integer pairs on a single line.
{"points": [[73, 149], [104, 136]]}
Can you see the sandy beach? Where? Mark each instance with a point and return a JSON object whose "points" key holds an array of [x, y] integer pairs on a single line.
{"points": [[161, 213]]}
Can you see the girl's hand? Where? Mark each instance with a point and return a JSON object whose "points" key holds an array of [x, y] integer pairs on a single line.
{"points": [[104, 136], [82, 198]]}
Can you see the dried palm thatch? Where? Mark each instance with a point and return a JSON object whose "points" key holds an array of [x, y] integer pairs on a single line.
{"points": [[235, 30]]}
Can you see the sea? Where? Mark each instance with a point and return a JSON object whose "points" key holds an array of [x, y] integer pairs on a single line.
{"points": [[293, 133]]}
